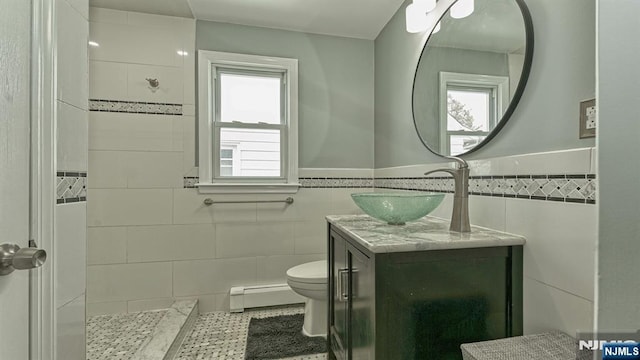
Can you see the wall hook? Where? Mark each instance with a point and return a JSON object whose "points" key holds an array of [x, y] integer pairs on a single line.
{"points": [[154, 84]]}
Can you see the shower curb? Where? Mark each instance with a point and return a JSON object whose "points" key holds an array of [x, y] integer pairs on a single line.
{"points": [[170, 332]]}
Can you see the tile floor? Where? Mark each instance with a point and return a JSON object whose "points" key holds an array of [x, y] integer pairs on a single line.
{"points": [[223, 336], [118, 337], [215, 336]]}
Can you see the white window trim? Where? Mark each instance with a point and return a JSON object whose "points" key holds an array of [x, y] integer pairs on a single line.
{"points": [[206, 95], [501, 83]]}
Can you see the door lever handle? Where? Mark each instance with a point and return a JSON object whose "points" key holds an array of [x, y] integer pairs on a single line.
{"points": [[12, 257]]}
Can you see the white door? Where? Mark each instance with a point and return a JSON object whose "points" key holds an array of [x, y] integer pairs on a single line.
{"points": [[15, 45]]}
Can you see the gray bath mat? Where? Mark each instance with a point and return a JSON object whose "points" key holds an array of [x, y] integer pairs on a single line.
{"points": [[280, 337]]}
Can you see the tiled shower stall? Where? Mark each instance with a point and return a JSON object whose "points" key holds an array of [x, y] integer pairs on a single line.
{"points": [[151, 240]]}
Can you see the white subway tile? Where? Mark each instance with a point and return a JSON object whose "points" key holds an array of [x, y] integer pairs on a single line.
{"points": [[170, 89], [594, 161], [81, 6], [106, 308], [444, 210], [487, 211], [73, 67], [180, 126], [560, 246], [116, 207], [549, 309], [134, 132], [189, 143], [71, 252], [411, 170], [309, 204], [170, 242], [154, 169], [196, 277], [222, 302], [107, 169], [152, 20], [149, 304], [233, 213], [136, 44], [343, 204], [189, 75], [107, 80], [485, 167], [107, 16], [70, 330], [189, 208], [209, 303], [72, 133], [242, 240], [106, 245], [189, 110], [310, 237], [125, 282], [273, 269], [573, 161], [334, 172]]}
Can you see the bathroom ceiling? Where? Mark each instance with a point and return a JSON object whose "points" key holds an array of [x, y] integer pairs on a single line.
{"points": [[159, 7], [351, 18]]}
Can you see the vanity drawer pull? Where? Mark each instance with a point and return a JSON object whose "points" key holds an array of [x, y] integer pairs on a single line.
{"points": [[342, 288]]}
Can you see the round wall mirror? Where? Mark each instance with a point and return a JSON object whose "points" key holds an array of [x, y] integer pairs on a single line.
{"points": [[471, 75]]}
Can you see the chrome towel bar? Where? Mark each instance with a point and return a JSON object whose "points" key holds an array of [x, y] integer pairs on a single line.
{"points": [[210, 201]]}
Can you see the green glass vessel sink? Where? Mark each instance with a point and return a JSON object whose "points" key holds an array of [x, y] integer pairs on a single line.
{"points": [[396, 208]]}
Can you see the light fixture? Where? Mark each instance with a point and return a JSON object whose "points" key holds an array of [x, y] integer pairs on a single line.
{"points": [[462, 9], [182, 53], [428, 5], [416, 16], [93, 43]]}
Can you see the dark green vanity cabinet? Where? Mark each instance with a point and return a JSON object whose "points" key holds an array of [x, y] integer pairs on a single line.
{"points": [[419, 304]]}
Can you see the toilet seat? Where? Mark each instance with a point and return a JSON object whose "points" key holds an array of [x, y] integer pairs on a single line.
{"points": [[310, 273]]}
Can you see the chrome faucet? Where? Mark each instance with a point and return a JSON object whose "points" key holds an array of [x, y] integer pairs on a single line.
{"points": [[460, 216]]}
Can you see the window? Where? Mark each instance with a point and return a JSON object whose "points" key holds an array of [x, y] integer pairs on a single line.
{"points": [[248, 123], [470, 107]]}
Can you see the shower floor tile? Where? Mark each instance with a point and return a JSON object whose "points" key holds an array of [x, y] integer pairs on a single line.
{"points": [[223, 336], [118, 337]]}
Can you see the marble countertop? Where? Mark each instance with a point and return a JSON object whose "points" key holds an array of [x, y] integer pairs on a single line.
{"points": [[428, 233]]}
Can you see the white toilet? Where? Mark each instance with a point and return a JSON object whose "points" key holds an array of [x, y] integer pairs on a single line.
{"points": [[310, 281]]}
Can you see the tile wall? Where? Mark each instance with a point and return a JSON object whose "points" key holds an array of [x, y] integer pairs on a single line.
{"points": [[70, 238], [559, 256], [151, 240]]}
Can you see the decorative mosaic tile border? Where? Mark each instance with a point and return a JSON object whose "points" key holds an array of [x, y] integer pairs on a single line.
{"points": [[327, 182], [334, 182], [134, 107], [564, 188], [190, 182], [71, 187]]}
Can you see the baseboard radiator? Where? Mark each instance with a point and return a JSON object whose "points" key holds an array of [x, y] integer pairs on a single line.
{"points": [[247, 297]]}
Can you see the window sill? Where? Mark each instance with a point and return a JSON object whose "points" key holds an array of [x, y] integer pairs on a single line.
{"points": [[226, 188]]}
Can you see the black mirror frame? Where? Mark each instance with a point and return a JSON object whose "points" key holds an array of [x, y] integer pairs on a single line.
{"points": [[526, 70]]}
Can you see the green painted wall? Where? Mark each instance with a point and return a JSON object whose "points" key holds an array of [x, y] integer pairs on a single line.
{"points": [[618, 298], [335, 88], [562, 74]]}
